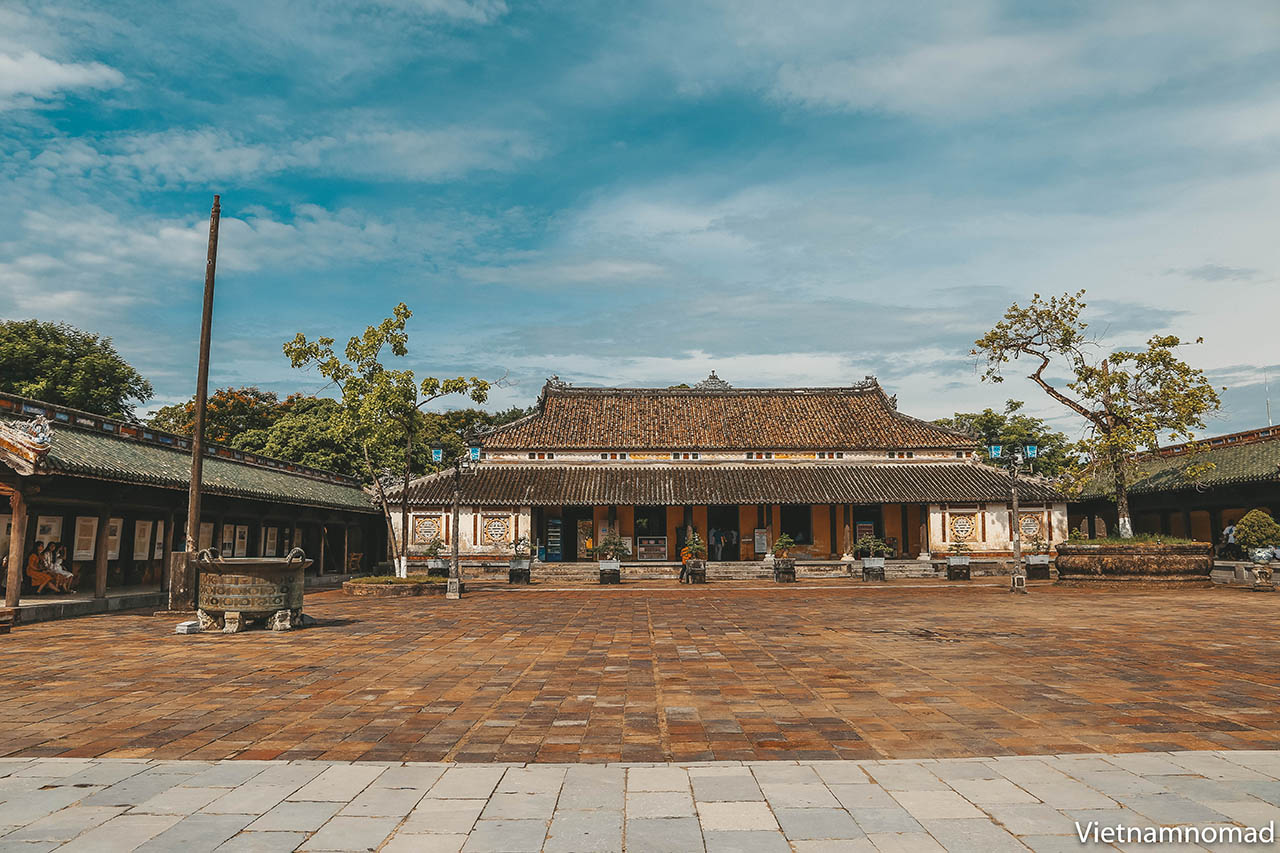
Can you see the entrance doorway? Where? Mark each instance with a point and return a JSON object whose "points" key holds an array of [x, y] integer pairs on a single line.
{"points": [[722, 533], [575, 532]]}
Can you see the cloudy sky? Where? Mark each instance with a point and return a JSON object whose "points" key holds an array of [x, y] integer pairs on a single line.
{"points": [[638, 193]]}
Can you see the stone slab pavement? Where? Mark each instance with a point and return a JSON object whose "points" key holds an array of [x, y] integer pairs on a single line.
{"points": [[1007, 803]]}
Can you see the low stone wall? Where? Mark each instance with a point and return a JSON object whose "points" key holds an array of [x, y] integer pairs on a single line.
{"points": [[1139, 563], [393, 590]]}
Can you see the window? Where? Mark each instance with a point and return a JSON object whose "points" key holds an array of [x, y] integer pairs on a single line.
{"points": [[911, 454], [533, 456], [750, 455], [549, 455], [959, 454], [797, 522], [604, 455], [622, 456], [839, 454]]}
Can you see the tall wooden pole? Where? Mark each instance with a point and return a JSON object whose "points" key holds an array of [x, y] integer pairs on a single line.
{"points": [[182, 590]]}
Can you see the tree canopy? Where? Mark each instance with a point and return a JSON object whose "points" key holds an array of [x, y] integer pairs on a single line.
{"points": [[1010, 428], [230, 412], [1129, 399], [60, 364]]}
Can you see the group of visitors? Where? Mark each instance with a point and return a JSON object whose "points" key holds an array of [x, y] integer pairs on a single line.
{"points": [[721, 538], [51, 559]]}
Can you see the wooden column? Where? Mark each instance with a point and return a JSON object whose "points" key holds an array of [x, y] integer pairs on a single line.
{"points": [[17, 549], [346, 550], [166, 550], [320, 561], [100, 553]]}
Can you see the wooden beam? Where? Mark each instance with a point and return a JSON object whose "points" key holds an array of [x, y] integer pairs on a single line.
{"points": [[320, 562], [346, 553]]}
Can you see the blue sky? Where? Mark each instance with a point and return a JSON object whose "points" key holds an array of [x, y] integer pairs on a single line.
{"points": [[639, 193]]}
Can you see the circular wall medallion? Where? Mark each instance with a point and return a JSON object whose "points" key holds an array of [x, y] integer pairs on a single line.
{"points": [[495, 530], [1029, 525], [426, 529], [964, 526]]}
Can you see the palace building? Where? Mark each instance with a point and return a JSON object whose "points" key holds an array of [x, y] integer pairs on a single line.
{"points": [[741, 466]]}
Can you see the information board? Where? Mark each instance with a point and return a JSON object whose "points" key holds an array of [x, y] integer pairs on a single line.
{"points": [[651, 548]]}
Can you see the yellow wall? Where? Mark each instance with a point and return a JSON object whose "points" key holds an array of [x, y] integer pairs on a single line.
{"points": [[627, 523], [821, 525], [893, 523], [1200, 526], [700, 524], [913, 533]]}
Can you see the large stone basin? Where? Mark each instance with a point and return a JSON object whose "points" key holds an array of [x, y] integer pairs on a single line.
{"points": [[1139, 563], [234, 592]]}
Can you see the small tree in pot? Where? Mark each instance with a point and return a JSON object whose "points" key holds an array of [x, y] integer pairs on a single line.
{"points": [[520, 561], [610, 552], [1037, 560], [784, 568], [694, 557], [1259, 535], [437, 565], [873, 551], [958, 561]]}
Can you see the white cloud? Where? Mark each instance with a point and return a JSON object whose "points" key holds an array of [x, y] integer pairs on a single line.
{"points": [[209, 154], [28, 77]]}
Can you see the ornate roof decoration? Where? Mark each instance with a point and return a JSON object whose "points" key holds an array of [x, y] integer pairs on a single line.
{"points": [[713, 383]]}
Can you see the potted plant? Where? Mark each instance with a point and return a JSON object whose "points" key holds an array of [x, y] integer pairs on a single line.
{"points": [[1258, 535], [873, 551], [610, 552], [958, 561], [520, 561], [695, 563], [437, 565], [1037, 560], [784, 568]]}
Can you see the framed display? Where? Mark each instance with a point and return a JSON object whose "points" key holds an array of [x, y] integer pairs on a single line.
{"points": [[270, 542], [760, 537], [206, 536], [6, 530], [49, 528], [227, 544], [651, 548], [114, 526], [157, 553], [86, 535], [242, 540], [141, 539]]}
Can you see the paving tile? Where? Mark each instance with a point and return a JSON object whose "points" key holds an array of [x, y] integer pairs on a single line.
{"points": [[384, 802], [1031, 819], [905, 777], [991, 791], [64, 824], [197, 833], [657, 779], [520, 806], [663, 835], [746, 841], [419, 777], [863, 797], [227, 774], [443, 816], [595, 831], [532, 780], [467, 783], [1169, 809], [403, 842], [124, 833], [895, 819], [800, 796], [655, 804], [903, 842], [251, 799], [506, 836], [973, 836], [817, 824], [842, 773], [295, 817], [339, 783], [724, 817], [179, 800], [736, 788], [351, 833], [263, 842], [936, 805]]}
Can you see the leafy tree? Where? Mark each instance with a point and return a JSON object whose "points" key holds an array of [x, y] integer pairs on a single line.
{"points": [[381, 406], [307, 432], [1128, 398], [1010, 428], [60, 364], [230, 412]]}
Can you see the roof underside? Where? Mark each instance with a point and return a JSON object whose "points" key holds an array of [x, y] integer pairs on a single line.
{"points": [[744, 419], [543, 485], [107, 457]]}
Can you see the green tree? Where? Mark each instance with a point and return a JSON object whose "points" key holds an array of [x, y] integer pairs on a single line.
{"points": [[230, 412], [60, 364], [379, 405], [1010, 428], [307, 432], [1129, 399]]}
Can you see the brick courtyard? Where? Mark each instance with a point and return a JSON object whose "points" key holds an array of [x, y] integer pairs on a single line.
{"points": [[654, 673]]}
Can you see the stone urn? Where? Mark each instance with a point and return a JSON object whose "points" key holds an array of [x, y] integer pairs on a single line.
{"points": [[1037, 567], [437, 567], [697, 571], [610, 571], [873, 568], [519, 571], [1136, 563], [235, 592], [784, 570], [958, 567]]}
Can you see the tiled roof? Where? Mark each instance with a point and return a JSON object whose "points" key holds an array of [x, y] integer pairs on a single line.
{"points": [[592, 485], [711, 418], [1254, 461], [101, 448]]}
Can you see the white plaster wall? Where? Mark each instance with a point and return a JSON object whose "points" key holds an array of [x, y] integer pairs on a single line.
{"points": [[519, 521]]}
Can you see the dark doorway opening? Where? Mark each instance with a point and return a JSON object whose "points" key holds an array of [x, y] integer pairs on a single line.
{"points": [[722, 533]]}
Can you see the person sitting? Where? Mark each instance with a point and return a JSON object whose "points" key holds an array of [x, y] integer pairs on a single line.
{"points": [[40, 578], [58, 565]]}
